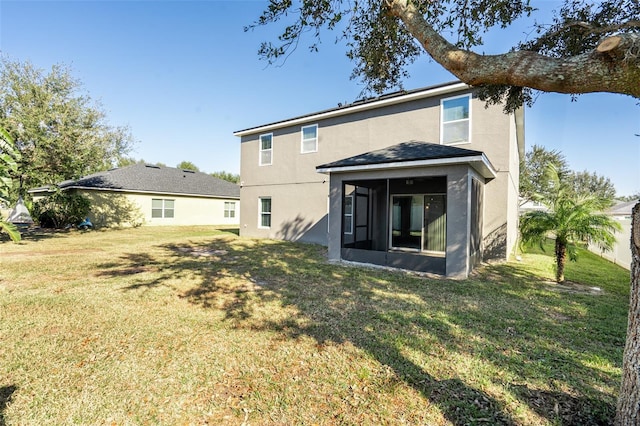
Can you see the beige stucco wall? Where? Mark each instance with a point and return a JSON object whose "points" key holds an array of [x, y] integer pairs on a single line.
{"points": [[300, 194], [135, 209]]}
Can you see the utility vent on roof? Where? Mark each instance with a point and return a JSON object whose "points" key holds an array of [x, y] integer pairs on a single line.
{"points": [[188, 171], [152, 166]]}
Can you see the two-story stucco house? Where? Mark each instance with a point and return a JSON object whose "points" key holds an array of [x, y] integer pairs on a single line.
{"points": [[425, 180]]}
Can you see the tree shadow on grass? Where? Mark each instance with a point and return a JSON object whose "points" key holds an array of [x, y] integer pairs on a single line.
{"points": [[388, 314], [6, 392], [564, 408]]}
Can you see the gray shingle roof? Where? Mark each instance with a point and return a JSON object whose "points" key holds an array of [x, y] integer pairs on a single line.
{"points": [[406, 151], [413, 154], [357, 103], [156, 179], [623, 209]]}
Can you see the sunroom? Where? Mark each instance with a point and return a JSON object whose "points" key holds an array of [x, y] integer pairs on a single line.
{"points": [[415, 206]]}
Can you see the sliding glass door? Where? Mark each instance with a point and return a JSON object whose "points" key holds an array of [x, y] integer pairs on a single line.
{"points": [[419, 223]]}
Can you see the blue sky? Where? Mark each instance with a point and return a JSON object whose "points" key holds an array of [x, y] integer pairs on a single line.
{"points": [[184, 76]]}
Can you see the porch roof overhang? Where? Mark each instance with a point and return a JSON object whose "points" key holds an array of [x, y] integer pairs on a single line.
{"points": [[411, 155]]}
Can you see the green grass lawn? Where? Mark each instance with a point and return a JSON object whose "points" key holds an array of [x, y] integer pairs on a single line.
{"points": [[199, 326]]}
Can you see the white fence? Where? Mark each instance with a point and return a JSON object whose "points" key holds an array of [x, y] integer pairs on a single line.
{"points": [[621, 253]]}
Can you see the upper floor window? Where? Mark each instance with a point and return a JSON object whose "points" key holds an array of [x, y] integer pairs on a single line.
{"points": [[266, 149], [455, 113], [162, 208], [309, 139], [229, 209]]}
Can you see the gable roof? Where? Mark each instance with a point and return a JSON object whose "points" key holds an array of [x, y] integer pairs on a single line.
{"points": [[624, 208], [146, 178], [361, 105], [382, 101], [412, 154]]}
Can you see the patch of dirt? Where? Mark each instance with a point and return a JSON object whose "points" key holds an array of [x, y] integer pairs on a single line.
{"points": [[573, 287], [82, 252], [132, 270], [202, 252]]}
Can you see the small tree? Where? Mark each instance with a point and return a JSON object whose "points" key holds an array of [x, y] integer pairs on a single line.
{"points": [[61, 209], [571, 219], [532, 171]]}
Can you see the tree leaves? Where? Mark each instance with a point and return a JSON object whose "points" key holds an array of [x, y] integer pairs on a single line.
{"points": [[59, 131], [384, 37]]}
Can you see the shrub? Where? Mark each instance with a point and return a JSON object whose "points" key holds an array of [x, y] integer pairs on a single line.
{"points": [[61, 209]]}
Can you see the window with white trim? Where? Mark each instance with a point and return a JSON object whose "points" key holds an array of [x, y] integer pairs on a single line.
{"points": [[266, 149], [162, 208], [309, 135], [455, 120], [264, 205], [229, 209], [348, 214]]}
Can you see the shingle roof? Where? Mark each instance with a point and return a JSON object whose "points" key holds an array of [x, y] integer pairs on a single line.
{"points": [[361, 104], [406, 151], [413, 153], [623, 209], [156, 179]]}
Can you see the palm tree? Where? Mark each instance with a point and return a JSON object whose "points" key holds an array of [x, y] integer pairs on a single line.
{"points": [[8, 164], [571, 219]]}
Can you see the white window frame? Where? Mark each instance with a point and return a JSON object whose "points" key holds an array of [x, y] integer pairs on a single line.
{"points": [[164, 208], [261, 150], [442, 122], [230, 209], [350, 214], [261, 213], [303, 140]]}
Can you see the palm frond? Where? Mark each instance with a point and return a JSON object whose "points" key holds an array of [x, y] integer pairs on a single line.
{"points": [[10, 229]]}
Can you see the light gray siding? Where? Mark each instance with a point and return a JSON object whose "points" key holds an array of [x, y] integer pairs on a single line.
{"points": [[300, 195]]}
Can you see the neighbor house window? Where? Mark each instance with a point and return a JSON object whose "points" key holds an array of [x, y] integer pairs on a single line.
{"points": [[229, 209], [266, 149], [455, 113], [265, 212], [309, 139], [162, 208], [348, 214]]}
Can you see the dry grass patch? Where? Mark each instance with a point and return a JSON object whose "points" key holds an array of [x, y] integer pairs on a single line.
{"points": [[198, 326]]}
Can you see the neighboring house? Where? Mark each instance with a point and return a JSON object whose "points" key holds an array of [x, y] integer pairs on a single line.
{"points": [[155, 195], [425, 180], [530, 205], [621, 252]]}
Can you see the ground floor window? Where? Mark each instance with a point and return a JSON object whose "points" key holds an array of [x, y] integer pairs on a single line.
{"points": [[265, 212], [229, 209], [162, 208], [419, 222], [348, 214]]}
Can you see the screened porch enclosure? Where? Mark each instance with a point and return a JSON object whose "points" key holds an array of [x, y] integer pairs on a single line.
{"points": [[399, 222]]}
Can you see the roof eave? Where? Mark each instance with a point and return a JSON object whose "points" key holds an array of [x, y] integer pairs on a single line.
{"points": [[142, 191], [429, 92], [479, 162]]}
